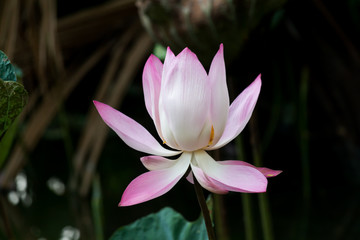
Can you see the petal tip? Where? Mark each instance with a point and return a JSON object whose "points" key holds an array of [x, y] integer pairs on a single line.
{"points": [[101, 108], [186, 51], [98, 104], [169, 57], [274, 173], [258, 78], [168, 51], [151, 62], [221, 47], [124, 204], [220, 52], [152, 57], [144, 159], [262, 187], [256, 84]]}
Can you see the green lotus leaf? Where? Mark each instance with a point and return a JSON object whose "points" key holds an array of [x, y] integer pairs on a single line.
{"points": [[7, 70], [13, 98], [166, 224]]}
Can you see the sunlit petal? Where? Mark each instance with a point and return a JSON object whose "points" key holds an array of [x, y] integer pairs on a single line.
{"points": [[240, 112], [152, 83], [155, 183], [232, 177], [184, 103], [219, 95], [206, 182], [170, 60], [131, 132], [157, 162], [151, 87]]}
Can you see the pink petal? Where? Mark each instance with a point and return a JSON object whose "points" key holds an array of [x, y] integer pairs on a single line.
{"points": [[170, 59], [132, 133], [231, 177], [239, 113], [152, 83], [266, 171], [151, 86], [157, 162], [190, 177], [207, 182], [219, 94], [153, 184], [184, 102]]}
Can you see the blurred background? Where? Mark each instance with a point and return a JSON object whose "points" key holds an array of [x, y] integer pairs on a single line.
{"points": [[65, 172]]}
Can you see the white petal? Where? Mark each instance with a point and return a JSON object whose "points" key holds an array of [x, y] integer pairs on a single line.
{"points": [[239, 113], [151, 87], [219, 95], [157, 162], [231, 177], [184, 103], [206, 182]]}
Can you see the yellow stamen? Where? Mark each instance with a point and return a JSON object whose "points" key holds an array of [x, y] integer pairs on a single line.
{"points": [[269, 175], [211, 136]]}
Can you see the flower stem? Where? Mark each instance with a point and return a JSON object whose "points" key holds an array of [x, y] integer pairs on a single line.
{"points": [[204, 210], [220, 212]]}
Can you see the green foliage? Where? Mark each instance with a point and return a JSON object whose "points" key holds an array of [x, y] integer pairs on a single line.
{"points": [[7, 70], [13, 96], [159, 51], [6, 142], [166, 224], [97, 208]]}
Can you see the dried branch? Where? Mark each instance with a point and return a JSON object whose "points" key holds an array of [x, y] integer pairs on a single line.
{"points": [[43, 115], [137, 54]]}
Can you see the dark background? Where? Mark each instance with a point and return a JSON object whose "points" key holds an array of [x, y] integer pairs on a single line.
{"points": [[306, 121]]}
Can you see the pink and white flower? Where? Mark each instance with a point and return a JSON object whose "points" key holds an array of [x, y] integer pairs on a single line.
{"points": [[191, 113]]}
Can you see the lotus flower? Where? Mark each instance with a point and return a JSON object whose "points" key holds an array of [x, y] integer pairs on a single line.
{"points": [[191, 113]]}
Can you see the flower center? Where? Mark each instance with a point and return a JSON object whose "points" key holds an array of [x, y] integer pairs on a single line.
{"points": [[211, 136]]}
